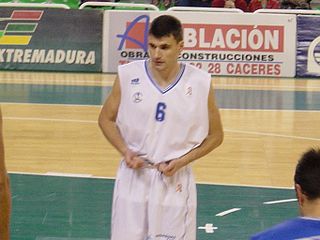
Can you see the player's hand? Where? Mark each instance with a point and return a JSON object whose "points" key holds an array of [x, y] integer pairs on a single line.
{"points": [[133, 160], [170, 168]]}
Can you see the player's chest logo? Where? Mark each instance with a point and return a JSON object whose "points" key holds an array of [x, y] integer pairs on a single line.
{"points": [[137, 97], [135, 81]]}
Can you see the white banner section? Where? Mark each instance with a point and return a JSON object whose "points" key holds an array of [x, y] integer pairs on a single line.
{"points": [[243, 44]]}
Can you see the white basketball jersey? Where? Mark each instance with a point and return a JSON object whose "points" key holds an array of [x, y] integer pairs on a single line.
{"points": [[163, 124]]}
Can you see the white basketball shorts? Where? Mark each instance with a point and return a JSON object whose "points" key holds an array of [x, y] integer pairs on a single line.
{"points": [[150, 206]]}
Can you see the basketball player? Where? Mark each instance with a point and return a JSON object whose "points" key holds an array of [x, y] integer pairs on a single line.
{"points": [[5, 197], [161, 115], [307, 187]]}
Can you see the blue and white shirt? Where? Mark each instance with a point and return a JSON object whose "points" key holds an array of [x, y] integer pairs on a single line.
{"points": [[300, 228]]}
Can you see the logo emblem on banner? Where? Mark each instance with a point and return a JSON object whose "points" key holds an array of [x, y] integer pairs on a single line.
{"points": [[132, 37], [313, 64], [21, 24]]}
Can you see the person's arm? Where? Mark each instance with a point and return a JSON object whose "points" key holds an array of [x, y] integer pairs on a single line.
{"points": [[108, 126], [5, 195], [212, 141]]}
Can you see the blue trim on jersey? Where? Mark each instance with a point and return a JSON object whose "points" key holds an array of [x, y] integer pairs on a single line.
{"points": [[179, 76]]}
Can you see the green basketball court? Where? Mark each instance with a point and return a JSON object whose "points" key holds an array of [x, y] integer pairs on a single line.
{"points": [[79, 208]]}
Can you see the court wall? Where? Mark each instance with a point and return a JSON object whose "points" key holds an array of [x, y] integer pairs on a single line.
{"points": [[92, 40]]}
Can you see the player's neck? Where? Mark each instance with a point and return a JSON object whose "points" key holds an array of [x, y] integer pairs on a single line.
{"points": [[164, 77], [312, 209]]}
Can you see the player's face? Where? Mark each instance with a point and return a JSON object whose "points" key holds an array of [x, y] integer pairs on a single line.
{"points": [[164, 51]]}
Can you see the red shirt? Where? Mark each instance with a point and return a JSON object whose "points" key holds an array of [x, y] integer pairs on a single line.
{"points": [[241, 4], [256, 4]]}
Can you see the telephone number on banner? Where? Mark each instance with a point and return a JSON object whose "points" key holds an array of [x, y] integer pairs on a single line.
{"points": [[231, 68]]}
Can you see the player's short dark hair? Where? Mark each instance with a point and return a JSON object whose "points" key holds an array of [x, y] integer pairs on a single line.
{"points": [[307, 173], [165, 25]]}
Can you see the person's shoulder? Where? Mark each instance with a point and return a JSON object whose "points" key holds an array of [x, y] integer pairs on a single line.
{"points": [[197, 77], [195, 70], [132, 64], [281, 231]]}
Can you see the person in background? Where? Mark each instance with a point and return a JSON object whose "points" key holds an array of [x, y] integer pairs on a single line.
{"points": [[240, 4], [163, 4], [307, 187], [161, 115], [5, 195], [193, 3], [296, 4], [263, 4]]}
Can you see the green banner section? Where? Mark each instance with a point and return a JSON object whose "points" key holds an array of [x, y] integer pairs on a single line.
{"points": [[54, 40], [21, 27]]}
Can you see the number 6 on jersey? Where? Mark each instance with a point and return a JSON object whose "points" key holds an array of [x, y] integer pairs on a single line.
{"points": [[160, 113]]}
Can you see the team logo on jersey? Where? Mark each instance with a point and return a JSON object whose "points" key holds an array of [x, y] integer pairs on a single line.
{"points": [[189, 91], [179, 188], [135, 81], [137, 97]]}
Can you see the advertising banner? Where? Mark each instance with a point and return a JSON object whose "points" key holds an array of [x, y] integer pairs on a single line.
{"points": [[50, 39], [308, 46], [220, 43]]}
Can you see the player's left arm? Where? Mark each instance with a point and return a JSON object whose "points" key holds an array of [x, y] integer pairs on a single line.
{"points": [[212, 141]]}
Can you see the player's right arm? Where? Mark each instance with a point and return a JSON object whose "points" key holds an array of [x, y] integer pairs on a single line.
{"points": [[108, 126], [108, 116], [5, 195]]}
